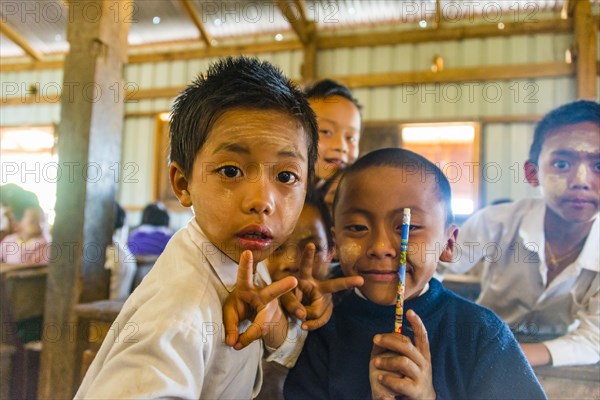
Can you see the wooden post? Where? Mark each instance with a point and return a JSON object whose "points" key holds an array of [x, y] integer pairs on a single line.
{"points": [[585, 42], [309, 63], [89, 147]]}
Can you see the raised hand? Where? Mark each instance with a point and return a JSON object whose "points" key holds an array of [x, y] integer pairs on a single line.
{"points": [[311, 301], [399, 368], [259, 305]]}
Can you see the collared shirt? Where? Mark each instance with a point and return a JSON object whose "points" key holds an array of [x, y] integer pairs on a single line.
{"points": [[510, 240], [169, 339]]}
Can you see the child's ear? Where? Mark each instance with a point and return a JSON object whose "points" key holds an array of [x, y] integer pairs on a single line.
{"points": [[179, 184], [531, 173], [448, 252]]}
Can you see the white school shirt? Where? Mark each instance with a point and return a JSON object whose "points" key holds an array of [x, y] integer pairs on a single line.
{"points": [[169, 339], [510, 239]]}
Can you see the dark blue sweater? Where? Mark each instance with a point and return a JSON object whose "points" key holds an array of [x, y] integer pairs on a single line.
{"points": [[474, 354]]}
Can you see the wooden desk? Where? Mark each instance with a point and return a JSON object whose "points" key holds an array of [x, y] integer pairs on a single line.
{"points": [[467, 286], [577, 382], [95, 320]]}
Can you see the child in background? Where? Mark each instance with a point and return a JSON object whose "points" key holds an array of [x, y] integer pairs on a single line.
{"points": [[460, 350], [313, 226], [339, 120], [541, 274], [243, 146], [151, 236], [119, 260], [30, 243]]}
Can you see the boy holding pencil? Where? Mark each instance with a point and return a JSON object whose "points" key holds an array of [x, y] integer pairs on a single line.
{"points": [[449, 347]]}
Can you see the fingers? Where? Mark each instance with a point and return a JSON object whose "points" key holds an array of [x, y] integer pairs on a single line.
{"points": [[308, 260], [421, 340], [277, 288], [401, 365], [313, 324], [251, 334], [401, 345], [293, 306], [335, 285], [230, 321], [245, 270]]}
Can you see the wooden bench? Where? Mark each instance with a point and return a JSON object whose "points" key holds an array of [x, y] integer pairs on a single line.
{"points": [[576, 382]]}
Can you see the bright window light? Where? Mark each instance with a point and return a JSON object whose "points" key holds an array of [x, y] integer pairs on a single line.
{"points": [[462, 206], [445, 134]]}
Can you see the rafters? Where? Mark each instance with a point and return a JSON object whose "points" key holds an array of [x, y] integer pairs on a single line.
{"points": [[197, 19], [20, 41], [295, 13]]}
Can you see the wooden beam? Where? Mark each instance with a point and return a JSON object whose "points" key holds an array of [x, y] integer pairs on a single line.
{"points": [[499, 72], [20, 41], [443, 35], [585, 50], [296, 16], [438, 14], [482, 74], [309, 62], [193, 13], [328, 42]]}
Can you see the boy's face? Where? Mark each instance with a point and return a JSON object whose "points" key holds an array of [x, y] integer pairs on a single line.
{"points": [[368, 224], [339, 133], [309, 229], [568, 172], [248, 181]]}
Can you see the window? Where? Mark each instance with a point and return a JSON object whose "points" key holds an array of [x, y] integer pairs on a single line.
{"points": [[29, 160], [454, 148]]}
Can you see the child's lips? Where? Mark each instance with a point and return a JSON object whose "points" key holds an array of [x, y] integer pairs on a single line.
{"points": [[380, 275], [255, 238]]}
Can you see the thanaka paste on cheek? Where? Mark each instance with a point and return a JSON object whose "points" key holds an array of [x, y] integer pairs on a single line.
{"points": [[349, 253]]}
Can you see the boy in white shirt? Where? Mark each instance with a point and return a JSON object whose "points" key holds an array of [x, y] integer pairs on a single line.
{"points": [[540, 256], [243, 148]]}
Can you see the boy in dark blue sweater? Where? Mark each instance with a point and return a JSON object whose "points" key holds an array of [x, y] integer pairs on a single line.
{"points": [[460, 351]]}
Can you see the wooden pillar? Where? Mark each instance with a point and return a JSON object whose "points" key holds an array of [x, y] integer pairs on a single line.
{"points": [[585, 42], [309, 64], [92, 112]]}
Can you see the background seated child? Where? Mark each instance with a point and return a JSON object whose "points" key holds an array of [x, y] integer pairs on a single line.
{"points": [[243, 146], [462, 350], [339, 122], [152, 235], [119, 260], [542, 276], [30, 242]]}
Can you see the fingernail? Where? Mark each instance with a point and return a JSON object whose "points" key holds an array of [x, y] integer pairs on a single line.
{"points": [[380, 378], [238, 346], [377, 338], [304, 327]]}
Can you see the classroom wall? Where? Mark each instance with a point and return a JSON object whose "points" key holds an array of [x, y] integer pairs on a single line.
{"points": [[502, 144]]}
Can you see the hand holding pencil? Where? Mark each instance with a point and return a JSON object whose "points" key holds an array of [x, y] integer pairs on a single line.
{"points": [[402, 271]]}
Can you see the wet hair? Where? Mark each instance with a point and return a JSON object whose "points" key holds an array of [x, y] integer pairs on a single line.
{"points": [[567, 114], [229, 84], [316, 200], [407, 160], [155, 214], [327, 88]]}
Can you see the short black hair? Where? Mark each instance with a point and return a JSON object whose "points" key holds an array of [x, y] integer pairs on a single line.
{"points": [[315, 199], [327, 88], [155, 214], [568, 114], [234, 83], [404, 159]]}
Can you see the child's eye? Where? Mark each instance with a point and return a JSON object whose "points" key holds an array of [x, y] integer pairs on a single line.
{"points": [[287, 177], [597, 166], [230, 171], [561, 165], [356, 228], [410, 228], [326, 132], [351, 139]]}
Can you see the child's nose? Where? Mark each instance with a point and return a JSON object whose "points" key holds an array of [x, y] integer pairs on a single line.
{"points": [[260, 199], [339, 143], [382, 247], [581, 177]]}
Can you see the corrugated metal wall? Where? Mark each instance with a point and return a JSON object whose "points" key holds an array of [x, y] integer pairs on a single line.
{"points": [[502, 144]]}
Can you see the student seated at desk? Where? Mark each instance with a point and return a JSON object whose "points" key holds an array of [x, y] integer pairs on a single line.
{"points": [[541, 272], [30, 242], [119, 260], [153, 234], [460, 351]]}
